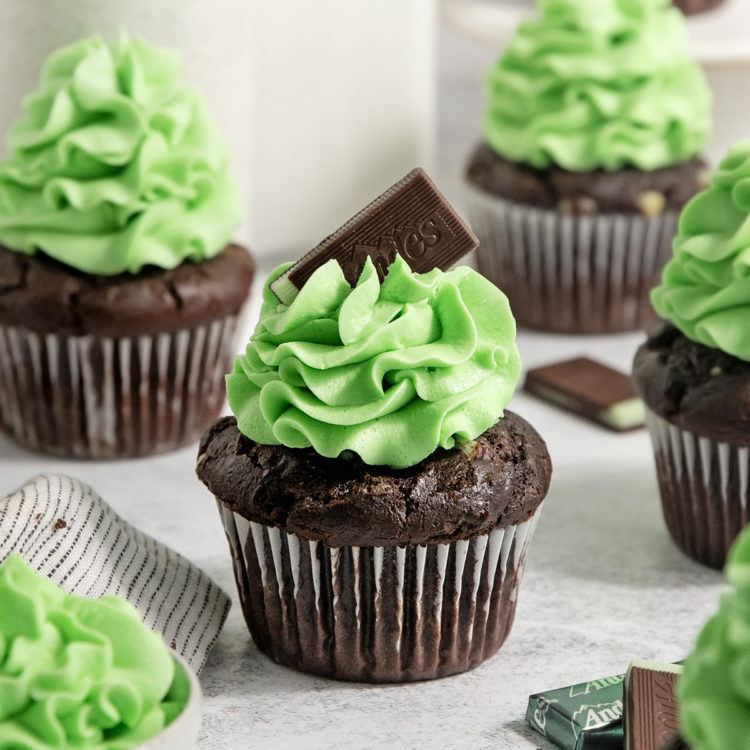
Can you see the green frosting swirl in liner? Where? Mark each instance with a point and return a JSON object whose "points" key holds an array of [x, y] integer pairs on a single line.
{"points": [[115, 164], [77, 672], [389, 371], [598, 84], [705, 289], [714, 689]]}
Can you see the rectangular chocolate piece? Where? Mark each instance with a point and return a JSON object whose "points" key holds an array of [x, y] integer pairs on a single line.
{"points": [[412, 218], [651, 712], [587, 716], [590, 389]]}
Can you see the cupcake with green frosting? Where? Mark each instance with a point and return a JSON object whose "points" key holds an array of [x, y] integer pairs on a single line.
{"points": [[377, 496], [694, 371], [714, 689], [595, 121], [84, 673], [120, 284]]}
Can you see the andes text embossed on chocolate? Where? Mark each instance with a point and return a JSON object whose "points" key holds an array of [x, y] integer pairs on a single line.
{"points": [[651, 713], [590, 389], [411, 219]]}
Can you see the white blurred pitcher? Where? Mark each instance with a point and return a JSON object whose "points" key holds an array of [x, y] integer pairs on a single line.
{"points": [[324, 103]]}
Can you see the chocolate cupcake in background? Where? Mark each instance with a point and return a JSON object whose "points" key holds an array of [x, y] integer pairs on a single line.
{"points": [[120, 292], [694, 371], [377, 499], [595, 121], [689, 7]]}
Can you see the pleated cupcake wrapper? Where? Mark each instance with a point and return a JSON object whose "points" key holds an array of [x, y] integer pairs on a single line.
{"points": [[67, 532], [101, 397], [704, 487], [567, 273], [377, 614]]}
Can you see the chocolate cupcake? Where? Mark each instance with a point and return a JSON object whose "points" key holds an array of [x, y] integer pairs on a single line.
{"points": [[694, 372], [592, 135], [377, 503], [120, 292]]}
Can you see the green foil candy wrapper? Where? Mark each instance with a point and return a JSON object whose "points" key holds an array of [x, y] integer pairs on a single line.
{"points": [[587, 716], [390, 371]]}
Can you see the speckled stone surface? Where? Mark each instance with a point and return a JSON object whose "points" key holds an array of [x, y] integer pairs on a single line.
{"points": [[603, 584]]}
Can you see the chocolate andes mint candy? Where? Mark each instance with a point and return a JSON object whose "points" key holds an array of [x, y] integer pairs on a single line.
{"points": [[590, 389], [412, 218], [651, 713]]}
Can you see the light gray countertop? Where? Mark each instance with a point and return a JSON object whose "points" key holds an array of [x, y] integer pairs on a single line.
{"points": [[603, 583]]}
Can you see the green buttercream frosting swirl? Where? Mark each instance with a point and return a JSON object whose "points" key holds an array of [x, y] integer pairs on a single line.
{"points": [[115, 165], [714, 689], [390, 371], [598, 84], [705, 289], [79, 673]]}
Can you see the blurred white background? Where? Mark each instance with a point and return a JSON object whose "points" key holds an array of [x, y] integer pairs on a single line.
{"points": [[326, 104]]}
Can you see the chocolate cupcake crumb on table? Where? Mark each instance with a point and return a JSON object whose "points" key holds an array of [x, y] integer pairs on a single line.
{"points": [[377, 498], [591, 146], [120, 288]]}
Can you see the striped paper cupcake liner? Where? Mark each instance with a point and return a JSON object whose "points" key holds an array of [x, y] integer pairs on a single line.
{"points": [[69, 534], [704, 487], [377, 614], [571, 274], [99, 397]]}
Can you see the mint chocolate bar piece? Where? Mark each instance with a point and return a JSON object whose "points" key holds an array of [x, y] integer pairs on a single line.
{"points": [[651, 714], [590, 389], [412, 219]]}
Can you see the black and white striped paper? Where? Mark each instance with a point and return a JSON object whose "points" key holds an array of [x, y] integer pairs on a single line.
{"points": [[63, 529]]}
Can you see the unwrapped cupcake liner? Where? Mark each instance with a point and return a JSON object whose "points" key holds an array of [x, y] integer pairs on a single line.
{"points": [[101, 397], [63, 529], [704, 487], [568, 273], [377, 614]]}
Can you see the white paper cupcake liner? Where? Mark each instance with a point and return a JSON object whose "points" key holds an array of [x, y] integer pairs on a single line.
{"points": [[704, 487], [377, 614], [567, 273], [100, 397]]}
